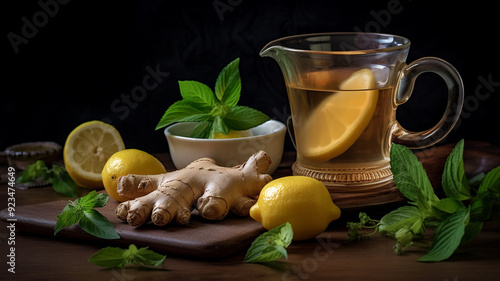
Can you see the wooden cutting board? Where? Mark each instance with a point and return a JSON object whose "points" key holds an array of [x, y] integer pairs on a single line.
{"points": [[199, 238]]}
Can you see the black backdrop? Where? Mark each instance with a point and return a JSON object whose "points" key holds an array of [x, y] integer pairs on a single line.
{"points": [[65, 62]]}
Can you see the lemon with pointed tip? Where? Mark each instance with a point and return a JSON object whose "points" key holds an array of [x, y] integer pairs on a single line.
{"points": [[339, 120], [302, 201], [87, 149]]}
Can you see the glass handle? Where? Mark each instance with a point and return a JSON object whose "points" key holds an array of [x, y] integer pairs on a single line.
{"points": [[450, 117], [290, 130]]}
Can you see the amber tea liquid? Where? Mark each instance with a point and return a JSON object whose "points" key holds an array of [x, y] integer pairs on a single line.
{"points": [[367, 159]]}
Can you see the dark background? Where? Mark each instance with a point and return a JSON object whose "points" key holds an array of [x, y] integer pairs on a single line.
{"points": [[86, 59]]}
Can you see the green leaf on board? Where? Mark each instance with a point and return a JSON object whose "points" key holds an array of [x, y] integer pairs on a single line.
{"points": [[270, 245], [82, 211]]}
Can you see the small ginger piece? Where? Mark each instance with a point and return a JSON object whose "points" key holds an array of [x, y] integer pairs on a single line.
{"points": [[216, 190]]}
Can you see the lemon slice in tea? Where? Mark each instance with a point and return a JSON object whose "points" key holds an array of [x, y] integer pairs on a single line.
{"points": [[340, 119], [87, 149]]}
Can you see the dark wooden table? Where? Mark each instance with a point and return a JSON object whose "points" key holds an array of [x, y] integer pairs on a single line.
{"points": [[328, 257]]}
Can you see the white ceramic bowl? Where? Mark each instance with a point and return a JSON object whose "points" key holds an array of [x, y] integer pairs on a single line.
{"points": [[269, 136]]}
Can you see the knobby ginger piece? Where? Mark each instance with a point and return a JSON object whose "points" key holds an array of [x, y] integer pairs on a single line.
{"points": [[218, 190]]}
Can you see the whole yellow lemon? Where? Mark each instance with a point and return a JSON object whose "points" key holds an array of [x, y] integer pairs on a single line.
{"points": [[302, 201], [128, 161]]}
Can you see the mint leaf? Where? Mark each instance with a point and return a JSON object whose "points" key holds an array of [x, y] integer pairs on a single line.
{"points": [[487, 197], [113, 257], [228, 84], [445, 207], [110, 257], [472, 229], [491, 182], [481, 206], [219, 126], [70, 215], [409, 175], [202, 130], [91, 221], [182, 111], [145, 256], [64, 184], [101, 200], [244, 118], [98, 225], [32, 172], [447, 237], [455, 183], [197, 94], [61, 181], [405, 216], [270, 245], [88, 201]]}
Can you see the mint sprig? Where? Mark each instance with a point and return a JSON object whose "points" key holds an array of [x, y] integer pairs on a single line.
{"points": [[57, 175], [82, 211], [457, 218], [114, 257], [216, 112], [270, 245]]}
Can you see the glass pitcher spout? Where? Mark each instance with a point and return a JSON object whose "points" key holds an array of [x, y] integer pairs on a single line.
{"points": [[270, 50], [278, 51], [280, 47]]}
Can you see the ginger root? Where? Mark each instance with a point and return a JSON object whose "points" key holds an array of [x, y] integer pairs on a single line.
{"points": [[218, 190]]}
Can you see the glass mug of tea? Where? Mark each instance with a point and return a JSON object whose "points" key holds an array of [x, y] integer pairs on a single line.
{"points": [[343, 90]]}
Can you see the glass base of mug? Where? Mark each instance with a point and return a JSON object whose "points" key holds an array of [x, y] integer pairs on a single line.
{"points": [[353, 188]]}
